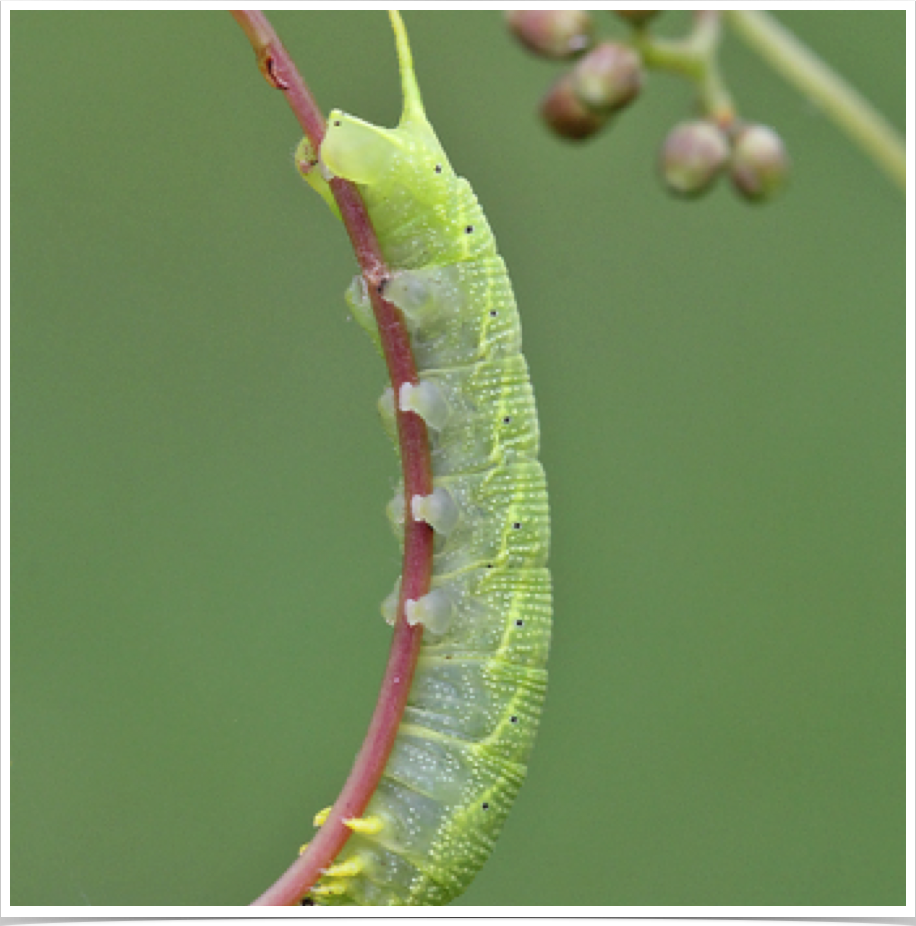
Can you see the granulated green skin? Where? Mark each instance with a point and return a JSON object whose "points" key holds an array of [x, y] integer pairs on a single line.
{"points": [[463, 745]]}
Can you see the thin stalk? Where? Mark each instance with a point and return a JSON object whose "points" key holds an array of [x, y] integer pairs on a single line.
{"points": [[842, 102], [279, 70], [695, 57]]}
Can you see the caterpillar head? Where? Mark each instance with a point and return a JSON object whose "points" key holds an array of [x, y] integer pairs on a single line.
{"points": [[408, 157]]}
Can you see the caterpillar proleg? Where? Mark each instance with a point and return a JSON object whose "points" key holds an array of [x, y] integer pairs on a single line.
{"points": [[464, 741]]}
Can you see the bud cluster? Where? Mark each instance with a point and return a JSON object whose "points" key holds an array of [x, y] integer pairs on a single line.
{"points": [[552, 33], [606, 76], [696, 153]]}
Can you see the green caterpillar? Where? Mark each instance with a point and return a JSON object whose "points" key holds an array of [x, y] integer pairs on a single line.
{"points": [[464, 741]]}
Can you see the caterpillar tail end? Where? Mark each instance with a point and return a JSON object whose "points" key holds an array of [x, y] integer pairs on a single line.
{"points": [[413, 102], [335, 880]]}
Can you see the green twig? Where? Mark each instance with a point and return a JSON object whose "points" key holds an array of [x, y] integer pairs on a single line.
{"points": [[842, 102], [695, 57]]}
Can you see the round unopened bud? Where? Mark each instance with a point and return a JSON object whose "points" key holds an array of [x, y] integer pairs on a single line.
{"points": [[552, 33], [759, 165], [566, 114], [692, 156], [637, 17], [609, 77]]}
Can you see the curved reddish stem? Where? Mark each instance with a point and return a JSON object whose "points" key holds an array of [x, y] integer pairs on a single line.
{"points": [[280, 72]]}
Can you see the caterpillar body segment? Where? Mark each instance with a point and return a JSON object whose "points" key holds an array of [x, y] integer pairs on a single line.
{"points": [[480, 415], [472, 713], [474, 317]]}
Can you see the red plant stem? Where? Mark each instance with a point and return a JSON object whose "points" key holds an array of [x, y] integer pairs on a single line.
{"points": [[280, 72]]}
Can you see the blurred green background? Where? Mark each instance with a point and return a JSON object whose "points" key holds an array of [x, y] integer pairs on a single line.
{"points": [[200, 547]]}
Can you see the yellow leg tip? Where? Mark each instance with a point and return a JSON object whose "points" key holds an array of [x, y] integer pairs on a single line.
{"points": [[321, 817], [335, 888], [366, 826], [348, 869], [303, 847]]}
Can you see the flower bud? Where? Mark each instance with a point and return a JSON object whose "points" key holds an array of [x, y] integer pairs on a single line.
{"points": [[759, 165], [637, 17], [552, 33], [692, 156], [609, 77], [566, 114]]}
